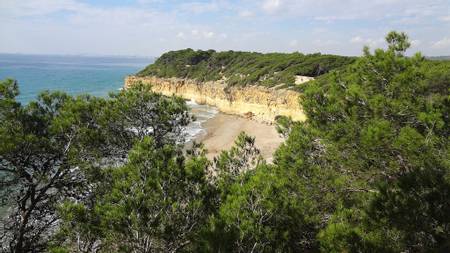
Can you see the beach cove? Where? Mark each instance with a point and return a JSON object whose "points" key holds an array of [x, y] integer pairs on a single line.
{"points": [[218, 131]]}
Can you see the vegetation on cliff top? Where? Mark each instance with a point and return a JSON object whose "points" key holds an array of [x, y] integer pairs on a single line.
{"points": [[243, 68]]}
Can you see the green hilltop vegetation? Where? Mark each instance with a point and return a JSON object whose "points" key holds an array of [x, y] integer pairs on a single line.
{"points": [[243, 68], [368, 171]]}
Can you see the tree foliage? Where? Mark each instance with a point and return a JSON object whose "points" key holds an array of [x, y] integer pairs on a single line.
{"points": [[368, 171], [384, 127], [153, 203], [53, 148]]}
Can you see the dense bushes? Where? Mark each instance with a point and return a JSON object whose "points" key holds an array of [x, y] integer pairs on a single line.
{"points": [[368, 171], [56, 149], [243, 68], [378, 152]]}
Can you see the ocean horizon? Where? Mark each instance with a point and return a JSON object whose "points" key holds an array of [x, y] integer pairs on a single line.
{"points": [[95, 75]]}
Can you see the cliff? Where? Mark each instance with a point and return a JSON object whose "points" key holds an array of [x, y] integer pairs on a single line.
{"points": [[257, 102]]}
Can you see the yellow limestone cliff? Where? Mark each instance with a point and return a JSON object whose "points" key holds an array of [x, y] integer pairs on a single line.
{"points": [[259, 103]]}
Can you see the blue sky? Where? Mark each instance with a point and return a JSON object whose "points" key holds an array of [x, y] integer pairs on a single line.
{"points": [[151, 27]]}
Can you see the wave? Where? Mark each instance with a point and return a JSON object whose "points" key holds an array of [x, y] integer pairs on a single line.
{"points": [[202, 113]]}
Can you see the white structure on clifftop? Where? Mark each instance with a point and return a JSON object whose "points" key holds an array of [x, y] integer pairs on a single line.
{"points": [[302, 79]]}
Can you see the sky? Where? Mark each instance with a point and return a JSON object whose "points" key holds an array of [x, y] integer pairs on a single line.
{"points": [[151, 27]]}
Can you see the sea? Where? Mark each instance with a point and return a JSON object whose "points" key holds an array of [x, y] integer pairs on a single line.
{"points": [[77, 75]]}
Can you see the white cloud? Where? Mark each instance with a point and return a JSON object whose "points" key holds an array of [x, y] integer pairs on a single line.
{"points": [[356, 40], [75, 26], [330, 19], [272, 6], [443, 43], [371, 42], [72, 27], [329, 11], [199, 7], [416, 43], [246, 14], [149, 1], [375, 42], [201, 34], [181, 35], [293, 43], [325, 42], [208, 35], [27, 8]]}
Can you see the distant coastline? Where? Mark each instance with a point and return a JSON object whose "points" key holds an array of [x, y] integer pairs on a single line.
{"points": [[148, 58]]}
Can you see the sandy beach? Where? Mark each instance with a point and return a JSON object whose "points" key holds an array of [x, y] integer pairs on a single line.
{"points": [[222, 130]]}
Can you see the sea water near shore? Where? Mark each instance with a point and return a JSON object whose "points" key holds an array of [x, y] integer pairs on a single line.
{"points": [[72, 74], [82, 74], [202, 114]]}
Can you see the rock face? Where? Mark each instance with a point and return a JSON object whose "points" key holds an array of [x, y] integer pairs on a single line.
{"points": [[256, 102]]}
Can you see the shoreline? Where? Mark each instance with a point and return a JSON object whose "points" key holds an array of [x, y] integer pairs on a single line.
{"points": [[221, 131]]}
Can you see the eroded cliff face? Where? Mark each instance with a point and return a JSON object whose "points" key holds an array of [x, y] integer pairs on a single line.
{"points": [[259, 103]]}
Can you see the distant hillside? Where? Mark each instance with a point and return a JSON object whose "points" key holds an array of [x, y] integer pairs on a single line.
{"points": [[439, 58], [243, 68]]}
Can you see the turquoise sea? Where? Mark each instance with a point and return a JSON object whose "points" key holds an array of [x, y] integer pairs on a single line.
{"points": [[80, 74], [72, 74]]}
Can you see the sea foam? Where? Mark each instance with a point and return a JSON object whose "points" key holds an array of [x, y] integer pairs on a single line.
{"points": [[202, 113]]}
